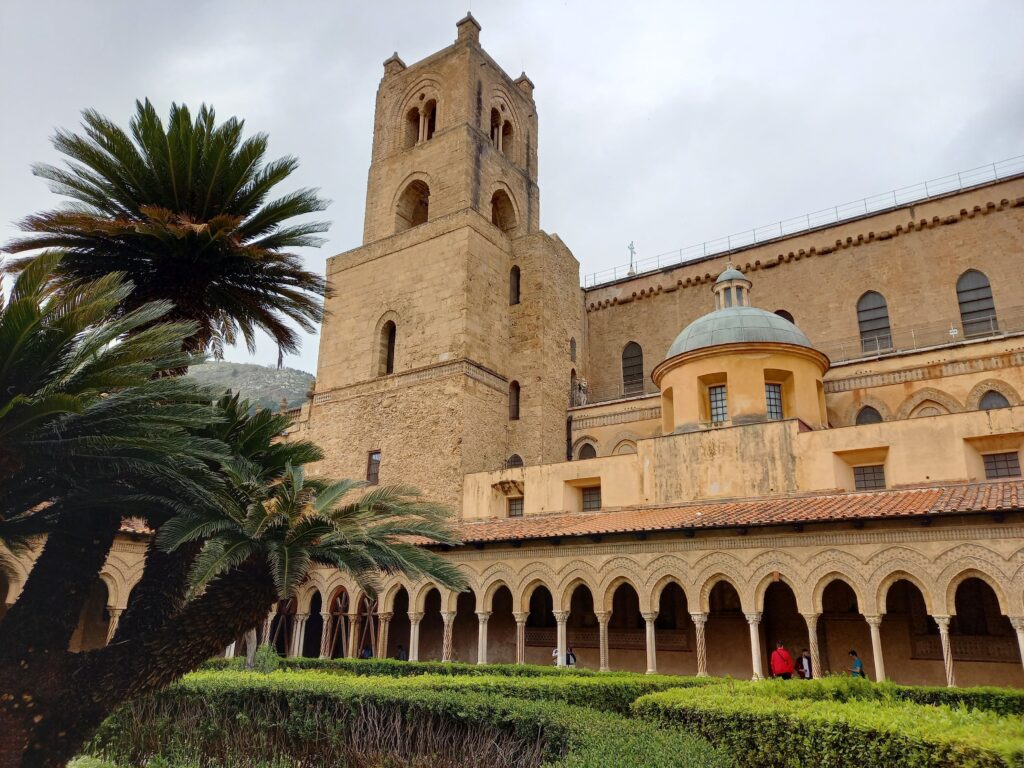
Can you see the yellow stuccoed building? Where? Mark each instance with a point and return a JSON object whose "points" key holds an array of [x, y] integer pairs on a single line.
{"points": [[814, 438]]}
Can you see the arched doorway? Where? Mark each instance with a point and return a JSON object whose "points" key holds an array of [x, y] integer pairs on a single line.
{"points": [[93, 621], [841, 628], [366, 630], [312, 632], [781, 622], [581, 630], [431, 628], [465, 630], [541, 629], [983, 641], [338, 628], [627, 631], [674, 633], [282, 628], [911, 647], [398, 628], [501, 629], [728, 636]]}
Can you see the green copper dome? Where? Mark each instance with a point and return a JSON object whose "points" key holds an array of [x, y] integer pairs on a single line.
{"points": [[736, 325], [731, 273]]}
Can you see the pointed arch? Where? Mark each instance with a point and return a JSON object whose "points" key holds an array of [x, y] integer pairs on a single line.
{"points": [[940, 398], [976, 398]]}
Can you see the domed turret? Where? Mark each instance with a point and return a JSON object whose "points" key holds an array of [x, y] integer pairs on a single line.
{"points": [[739, 365]]}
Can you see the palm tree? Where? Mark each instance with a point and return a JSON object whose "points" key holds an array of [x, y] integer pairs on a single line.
{"points": [[183, 211]]}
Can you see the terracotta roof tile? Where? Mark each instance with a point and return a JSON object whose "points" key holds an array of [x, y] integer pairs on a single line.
{"points": [[908, 502]]}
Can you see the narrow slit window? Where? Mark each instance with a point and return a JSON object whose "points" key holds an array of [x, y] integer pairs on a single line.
{"points": [[513, 286], [513, 401], [773, 398], [373, 468]]}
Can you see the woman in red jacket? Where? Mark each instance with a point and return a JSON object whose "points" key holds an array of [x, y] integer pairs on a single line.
{"points": [[781, 662]]}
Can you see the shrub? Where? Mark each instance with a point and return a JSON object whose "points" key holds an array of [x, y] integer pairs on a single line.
{"points": [[235, 720], [780, 724], [265, 660], [395, 668]]}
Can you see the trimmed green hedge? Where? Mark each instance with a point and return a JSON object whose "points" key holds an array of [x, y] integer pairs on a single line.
{"points": [[394, 668], [236, 719], [788, 724]]}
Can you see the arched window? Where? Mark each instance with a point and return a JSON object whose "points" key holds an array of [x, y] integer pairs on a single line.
{"points": [[506, 139], [632, 369], [873, 320], [977, 310], [413, 206], [572, 349], [513, 401], [993, 399], [503, 215], [411, 129], [868, 415], [513, 286], [429, 119], [386, 351], [496, 129], [587, 451], [784, 315], [515, 460]]}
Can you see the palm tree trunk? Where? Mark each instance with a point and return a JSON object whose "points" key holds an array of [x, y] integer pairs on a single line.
{"points": [[58, 727]]}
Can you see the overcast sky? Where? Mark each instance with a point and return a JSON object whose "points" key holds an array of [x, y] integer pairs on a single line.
{"points": [[663, 123]]}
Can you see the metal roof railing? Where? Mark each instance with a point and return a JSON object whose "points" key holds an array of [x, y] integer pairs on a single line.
{"points": [[885, 201]]}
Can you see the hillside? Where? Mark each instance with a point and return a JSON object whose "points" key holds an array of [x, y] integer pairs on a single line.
{"points": [[263, 385]]}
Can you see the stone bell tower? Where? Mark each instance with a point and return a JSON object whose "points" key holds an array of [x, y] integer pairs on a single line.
{"points": [[447, 345]]}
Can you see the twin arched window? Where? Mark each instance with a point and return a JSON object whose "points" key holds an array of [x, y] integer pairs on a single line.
{"points": [[420, 124], [501, 133], [513, 401], [977, 309], [873, 323], [632, 369]]}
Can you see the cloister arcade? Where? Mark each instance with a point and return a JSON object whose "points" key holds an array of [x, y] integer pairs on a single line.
{"points": [[962, 625]]}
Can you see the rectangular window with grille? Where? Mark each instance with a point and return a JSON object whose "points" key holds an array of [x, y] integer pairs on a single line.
{"points": [[515, 507], [373, 468], [869, 478], [773, 396], [592, 499], [718, 405], [1002, 465]]}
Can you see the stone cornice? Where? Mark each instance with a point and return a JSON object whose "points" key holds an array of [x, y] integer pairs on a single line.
{"points": [[926, 372], [659, 283], [622, 417]]}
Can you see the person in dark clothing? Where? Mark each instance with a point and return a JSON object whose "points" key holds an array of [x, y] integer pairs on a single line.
{"points": [[781, 662], [803, 665], [366, 653], [856, 666], [401, 655]]}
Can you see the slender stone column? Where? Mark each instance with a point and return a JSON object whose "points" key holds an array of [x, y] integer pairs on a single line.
{"points": [[268, 624], [652, 656], [446, 645], [560, 618], [481, 636], [812, 643], [325, 635], [298, 634], [353, 635], [115, 617], [415, 617], [947, 651], [754, 620], [521, 636], [383, 623], [423, 127], [603, 617], [1017, 622], [700, 621], [229, 652], [875, 623]]}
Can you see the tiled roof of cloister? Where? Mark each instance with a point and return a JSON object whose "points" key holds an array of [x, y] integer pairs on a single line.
{"points": [[838, 506]]}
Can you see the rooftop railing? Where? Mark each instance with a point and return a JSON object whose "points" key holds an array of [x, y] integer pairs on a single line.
{"points": [[885, 201]]}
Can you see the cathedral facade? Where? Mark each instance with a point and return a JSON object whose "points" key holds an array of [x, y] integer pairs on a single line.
{"points": [[814, 439]]}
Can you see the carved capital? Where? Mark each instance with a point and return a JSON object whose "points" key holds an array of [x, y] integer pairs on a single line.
{"points": [[483, 616], [649, 616], [753, 618], [1017, 622], [943, 622], [700, 619], [873, 621], [415, 617], [448, 616], [811, 619], [521, 616], [561, 616], [325, 616], [603, 617]]}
